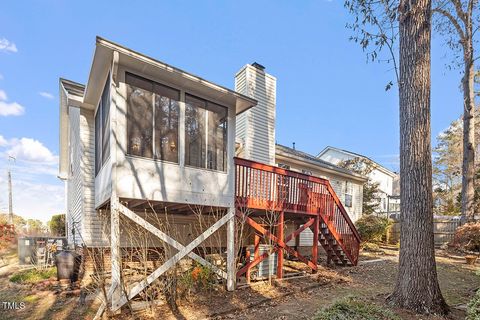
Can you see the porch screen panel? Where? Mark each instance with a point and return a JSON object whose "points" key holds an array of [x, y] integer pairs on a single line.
{"points": [[166, 123], [195, 138], [98, 141], [206, 134], [217, 137], [139, 116]]}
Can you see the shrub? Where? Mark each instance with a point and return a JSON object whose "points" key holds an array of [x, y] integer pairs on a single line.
{"points": [[355, 309], [33, 275], [467, 237], [473, 308], [199, 278], [371, 247], [372, 228]]}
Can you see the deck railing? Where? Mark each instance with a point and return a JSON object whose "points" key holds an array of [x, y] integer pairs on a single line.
{"points": [[265, 187]]}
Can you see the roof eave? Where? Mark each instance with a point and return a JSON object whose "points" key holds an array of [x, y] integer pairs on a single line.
{"points": [[324, 166], [102, 61]]}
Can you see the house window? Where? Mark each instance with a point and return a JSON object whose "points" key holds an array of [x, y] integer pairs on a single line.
{"points": [[348, 194], [102, 128], [284, 166], [152, 119], [205, 134], [307, 172]]}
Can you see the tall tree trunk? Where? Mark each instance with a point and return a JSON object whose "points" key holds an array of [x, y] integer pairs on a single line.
{"points": [[417, 285], [468, 165]]}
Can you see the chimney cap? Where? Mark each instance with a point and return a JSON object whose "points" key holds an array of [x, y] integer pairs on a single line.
{"points": [[258, 66]]}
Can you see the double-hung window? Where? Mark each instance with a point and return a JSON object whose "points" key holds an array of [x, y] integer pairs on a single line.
{"points": [[348, 194]]}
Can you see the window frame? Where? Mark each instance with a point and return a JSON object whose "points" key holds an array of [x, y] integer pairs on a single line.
{"points": [[348, 192]]}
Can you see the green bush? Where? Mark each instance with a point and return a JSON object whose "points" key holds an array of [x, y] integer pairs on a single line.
{"points": [[199, 277], [473, 308], [33, 275], [355, 309], [372, 228]]}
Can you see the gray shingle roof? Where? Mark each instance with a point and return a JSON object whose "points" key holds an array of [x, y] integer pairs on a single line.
{"points": [[315, 160]]}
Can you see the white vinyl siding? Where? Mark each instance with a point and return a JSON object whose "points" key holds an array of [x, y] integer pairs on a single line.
{"points": [[91, 224], [256, 127], [74, 184]]}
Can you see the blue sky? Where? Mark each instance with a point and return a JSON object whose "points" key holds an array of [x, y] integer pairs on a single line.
{"points": [[326, 93]]}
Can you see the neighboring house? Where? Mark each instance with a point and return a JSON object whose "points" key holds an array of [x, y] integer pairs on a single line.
{"points": [[144, 138], [347, 184], [388, 181]]}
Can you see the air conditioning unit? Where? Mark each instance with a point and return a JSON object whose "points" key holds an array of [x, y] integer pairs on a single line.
{"points": [[268, 266]]}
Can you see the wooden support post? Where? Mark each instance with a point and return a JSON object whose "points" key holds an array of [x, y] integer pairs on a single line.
{"points": [[231, 278], [247, 260], [316, 230], [297, 238], [116, 254], [280, 237], [256, 245]]}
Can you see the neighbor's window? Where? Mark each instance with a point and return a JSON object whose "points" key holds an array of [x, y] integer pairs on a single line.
{"points": [[102, 128], [348, 194], [152, 119], [205, 134], [284, 166]]}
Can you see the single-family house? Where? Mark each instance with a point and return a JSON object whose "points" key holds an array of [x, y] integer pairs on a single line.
{"points": [[146, 145], [388, 181]]}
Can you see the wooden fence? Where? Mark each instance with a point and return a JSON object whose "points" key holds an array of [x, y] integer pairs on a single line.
{"points": [[443, 230]]}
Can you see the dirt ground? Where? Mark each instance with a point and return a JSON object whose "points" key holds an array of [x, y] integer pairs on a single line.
{"points": [[297, 298]]}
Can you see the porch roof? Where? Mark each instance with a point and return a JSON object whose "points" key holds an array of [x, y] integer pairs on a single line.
{"points": [[104, 57]]}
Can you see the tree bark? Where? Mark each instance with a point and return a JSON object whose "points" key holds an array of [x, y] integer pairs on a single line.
{"points": [[417, 286], [468, 164]]}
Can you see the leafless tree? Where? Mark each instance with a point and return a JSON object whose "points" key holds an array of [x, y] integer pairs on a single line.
{"points": [[458, 21]]}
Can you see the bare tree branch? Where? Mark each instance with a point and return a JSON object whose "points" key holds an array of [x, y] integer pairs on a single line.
{"points": [[460, 13], [452, 19]]}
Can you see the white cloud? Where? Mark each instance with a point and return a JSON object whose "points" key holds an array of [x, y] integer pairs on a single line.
{"points": [[34, 200], [47, 95], [37, 193], [7, 46], [28, 149], [3, 141], [9, 108]]}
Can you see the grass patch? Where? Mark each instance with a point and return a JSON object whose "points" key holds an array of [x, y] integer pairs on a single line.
{"points": [[33, 275], [31, 298], [355, 309]]}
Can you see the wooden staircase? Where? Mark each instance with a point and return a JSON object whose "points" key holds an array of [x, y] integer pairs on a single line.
{"points": [[334, 252]]}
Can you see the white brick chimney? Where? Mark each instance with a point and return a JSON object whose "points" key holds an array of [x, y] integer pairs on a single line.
{"points": [[256, 127]]}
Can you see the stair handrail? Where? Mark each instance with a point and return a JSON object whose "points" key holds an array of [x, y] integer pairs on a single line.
{"points": [[343, 211]]}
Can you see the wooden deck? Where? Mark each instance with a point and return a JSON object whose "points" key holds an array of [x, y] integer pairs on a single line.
{"points": [[267, 188]]}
